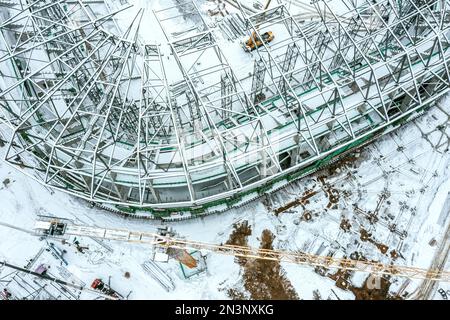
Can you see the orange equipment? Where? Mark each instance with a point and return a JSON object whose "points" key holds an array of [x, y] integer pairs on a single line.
{"points": [[256, 42]]}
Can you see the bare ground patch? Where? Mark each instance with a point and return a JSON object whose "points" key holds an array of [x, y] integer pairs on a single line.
{"points": [[380, 292], [262, 279]]}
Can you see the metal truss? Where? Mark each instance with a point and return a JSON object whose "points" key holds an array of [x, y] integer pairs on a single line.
{"points": [[45, 224], [98, 114]]}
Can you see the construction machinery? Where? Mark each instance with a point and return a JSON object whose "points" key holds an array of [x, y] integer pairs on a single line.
{"points": [[100, 285], [328, 262], [255, 41], [27, 283]]}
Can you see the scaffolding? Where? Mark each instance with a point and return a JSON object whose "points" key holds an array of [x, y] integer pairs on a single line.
{"points": [[98, 114], [22, 284]]}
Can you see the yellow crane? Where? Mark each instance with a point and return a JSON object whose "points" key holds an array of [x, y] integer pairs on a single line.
{"points": [[56, 227]]}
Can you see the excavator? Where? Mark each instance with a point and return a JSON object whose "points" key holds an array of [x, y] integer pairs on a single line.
{"points": [[255, 41]]}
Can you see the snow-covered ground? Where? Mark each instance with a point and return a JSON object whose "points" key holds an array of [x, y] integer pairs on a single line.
{"points": [[22, 199], [411, 166]]}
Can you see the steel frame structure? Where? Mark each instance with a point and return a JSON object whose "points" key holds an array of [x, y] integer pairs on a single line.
{"points": [[97, 114]]}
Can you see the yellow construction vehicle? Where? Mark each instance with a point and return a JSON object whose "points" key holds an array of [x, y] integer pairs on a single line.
{"points": [[255, 40]]}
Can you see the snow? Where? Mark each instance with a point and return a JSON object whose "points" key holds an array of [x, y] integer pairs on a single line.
{"points": [[23, 199]]}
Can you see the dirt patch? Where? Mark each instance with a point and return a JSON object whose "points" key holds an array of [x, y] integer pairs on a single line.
{"points": [[382, 247], [351, 160], [239, 237], [374, 289], [332, 193], [240, 234], [341, 277], [266, 280], [307, 215], [302, 201], [345, 225], [394, 254], [235, 294], [263, 279], [365, 236]]}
